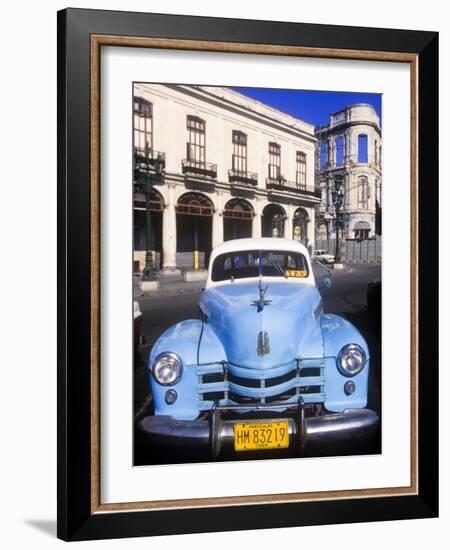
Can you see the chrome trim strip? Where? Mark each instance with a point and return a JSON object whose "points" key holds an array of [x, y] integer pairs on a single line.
{"points": [[261, 392], [280, 405]]}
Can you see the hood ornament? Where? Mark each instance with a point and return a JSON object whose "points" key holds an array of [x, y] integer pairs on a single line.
{"points": [[262, 301], [263, 347]]}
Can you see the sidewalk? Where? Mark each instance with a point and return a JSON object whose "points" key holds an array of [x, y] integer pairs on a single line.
{"points": [[167, 288]]}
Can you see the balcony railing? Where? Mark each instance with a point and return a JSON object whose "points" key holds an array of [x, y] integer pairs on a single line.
{"points": [[155, 159], [238, 176], [198, 168], [282, 184]]}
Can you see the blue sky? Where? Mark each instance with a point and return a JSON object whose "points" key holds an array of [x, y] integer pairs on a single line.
{"points": [[312, 107]]}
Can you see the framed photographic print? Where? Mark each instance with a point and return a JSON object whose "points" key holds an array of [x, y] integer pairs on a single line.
{"points": [[247, 274]]}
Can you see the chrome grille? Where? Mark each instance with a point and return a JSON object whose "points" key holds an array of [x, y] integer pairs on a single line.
{"points": [[227, 384]]}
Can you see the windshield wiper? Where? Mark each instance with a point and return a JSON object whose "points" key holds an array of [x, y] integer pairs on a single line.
{"points": [[277, 267]]}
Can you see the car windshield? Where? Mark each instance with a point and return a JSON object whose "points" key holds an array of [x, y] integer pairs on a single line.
{"points": [[254, 263]]}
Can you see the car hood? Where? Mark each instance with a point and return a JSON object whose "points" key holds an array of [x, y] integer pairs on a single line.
{"points": [[286, 327]]}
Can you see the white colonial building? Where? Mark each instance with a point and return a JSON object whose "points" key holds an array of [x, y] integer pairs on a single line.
{"points": [[212, 165], [349, 156]]}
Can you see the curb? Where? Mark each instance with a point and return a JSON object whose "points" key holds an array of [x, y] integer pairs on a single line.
{"points": [[164, 293]]}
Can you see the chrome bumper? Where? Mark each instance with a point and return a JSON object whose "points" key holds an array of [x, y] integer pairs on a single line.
{"points": [[353, 426]]}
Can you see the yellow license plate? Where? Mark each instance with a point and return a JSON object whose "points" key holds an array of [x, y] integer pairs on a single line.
{"points": [[259, 435]]}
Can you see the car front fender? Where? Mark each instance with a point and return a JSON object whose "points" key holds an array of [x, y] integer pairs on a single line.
{"points": [[338, 332], [195, 343], [181, 339]]}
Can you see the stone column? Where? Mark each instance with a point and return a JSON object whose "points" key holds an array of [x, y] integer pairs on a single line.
{"points": [[330, 204], [331, 152], [346, 203], [354, 146], [323, 197], [169, 232], [311, 229], [288, 226], [346, 147], [256, 222], [217, 222]]}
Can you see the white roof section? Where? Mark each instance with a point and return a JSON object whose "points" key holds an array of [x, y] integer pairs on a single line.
{"points": [[262, 243], [259, 107]]}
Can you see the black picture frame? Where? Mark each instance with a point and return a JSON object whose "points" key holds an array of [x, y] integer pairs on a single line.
{"points": [[76, 518]]}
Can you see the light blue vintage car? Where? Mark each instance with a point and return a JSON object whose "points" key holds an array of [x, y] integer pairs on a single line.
{"points": [[263, 367]]}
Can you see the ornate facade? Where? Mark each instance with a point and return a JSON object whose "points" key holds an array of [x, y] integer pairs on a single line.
{"points": [[349, 152], [211, 164]]}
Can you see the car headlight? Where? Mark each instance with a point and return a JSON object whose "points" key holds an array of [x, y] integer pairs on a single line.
{"points": [[167, 369], [351, 360]]}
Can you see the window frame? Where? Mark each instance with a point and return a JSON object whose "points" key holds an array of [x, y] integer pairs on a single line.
{"points": [[323, 155], [239, 156], [339, 149], [148, 126], [361, 157], [362, 192], [274, 166], [300, 173], [196, 128], [361, 234]]}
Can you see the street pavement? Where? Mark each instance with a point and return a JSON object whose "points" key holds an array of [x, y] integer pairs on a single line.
{"points": [[176, 302]]}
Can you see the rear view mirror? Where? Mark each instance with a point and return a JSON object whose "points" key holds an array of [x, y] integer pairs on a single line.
{"points": [[326, 282]]}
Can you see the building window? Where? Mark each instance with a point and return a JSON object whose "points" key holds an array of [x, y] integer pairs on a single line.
{"points": [[238, 209], [239, 157], [376, 153], [361, 234], [363, 196], [323, 155], [196, 141], [142, 125], [361, 231], [274, 160], [300, 176], [194, 204], [362, 148], [339, 151]]}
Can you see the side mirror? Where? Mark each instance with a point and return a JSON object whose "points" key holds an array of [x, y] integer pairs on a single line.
{"points": [[326, 282]]}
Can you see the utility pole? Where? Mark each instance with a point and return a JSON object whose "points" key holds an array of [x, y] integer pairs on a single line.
{"points": [[151, 177], [338, 200]]}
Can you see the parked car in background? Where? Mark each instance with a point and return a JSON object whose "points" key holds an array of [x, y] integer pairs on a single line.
{"points": [[323, 256], [264, 368]]}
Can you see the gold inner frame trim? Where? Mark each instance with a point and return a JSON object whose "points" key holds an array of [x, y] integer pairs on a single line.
{"points": [[97, 41]]}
